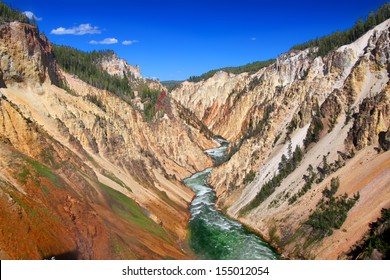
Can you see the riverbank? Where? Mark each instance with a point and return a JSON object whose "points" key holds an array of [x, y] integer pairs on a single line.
{"points": [[212, 235]]}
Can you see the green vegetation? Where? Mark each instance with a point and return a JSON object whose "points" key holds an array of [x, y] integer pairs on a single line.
{"points": [[325, 44], [272, 231], [250, 67], [249, 177], [327, 168], [85, 66], [95, 100], [337, 39], [9, 14], [313, 177], [149, 97], [331, 211], [286, 167], [191, 119], [22, 176], [20, 201], [44, 171], [377, 237], [309, 180], [293, 125], [112, 177], [171, 84], [121, 249], [32, 171], [126, 208]]}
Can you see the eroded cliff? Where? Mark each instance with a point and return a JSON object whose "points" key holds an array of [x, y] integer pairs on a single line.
{"points": [[83, 175], [335, 110]]}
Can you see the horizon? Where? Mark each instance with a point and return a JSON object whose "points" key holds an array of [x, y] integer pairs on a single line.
{"points": [[175, 40]]}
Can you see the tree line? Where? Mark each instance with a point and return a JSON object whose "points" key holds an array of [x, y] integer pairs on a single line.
{"points": [[9, 14], [250, 67], [337, 39], [325, 44], [331, 211], [287, 165], [377, 238], [85, 66]]}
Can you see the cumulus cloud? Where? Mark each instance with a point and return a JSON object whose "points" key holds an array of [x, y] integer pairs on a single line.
{"points": [[82, 29], [129, 42], [107, 41], [31, 15]]}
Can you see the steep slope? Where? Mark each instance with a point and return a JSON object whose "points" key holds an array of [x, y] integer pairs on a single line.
{"points": [[336, 109], [83, 175]]}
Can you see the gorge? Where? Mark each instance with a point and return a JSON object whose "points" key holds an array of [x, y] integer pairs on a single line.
{"points": [[212, 235], [98, 162]]}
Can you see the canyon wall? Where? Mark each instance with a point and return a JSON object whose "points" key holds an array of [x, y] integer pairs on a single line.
{"points": [[335, 109], [83, 175]]}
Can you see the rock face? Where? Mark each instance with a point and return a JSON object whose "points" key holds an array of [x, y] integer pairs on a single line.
{"points": [[333, 107], [85, 179], [84, 176], [21, 43], [119, 67], [371, 124]]}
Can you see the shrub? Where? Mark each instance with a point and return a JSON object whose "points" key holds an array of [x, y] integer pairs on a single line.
{"points": [[331, 211], [286, 167]]}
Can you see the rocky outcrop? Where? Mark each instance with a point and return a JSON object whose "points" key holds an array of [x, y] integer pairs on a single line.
{"points": [[26, 55], [82, 171], [119, 67], [371, 124], [327, 106]]}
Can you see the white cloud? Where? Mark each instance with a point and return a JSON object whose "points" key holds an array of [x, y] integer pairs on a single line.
{"points": [[31, 15], [107, 41], [82, 29], [129, 42], [253, 39]]}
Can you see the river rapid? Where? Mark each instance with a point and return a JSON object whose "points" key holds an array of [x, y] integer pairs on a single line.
{"points": [[213, 235]]}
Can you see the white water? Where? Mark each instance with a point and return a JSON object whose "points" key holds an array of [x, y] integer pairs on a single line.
{"points": [[214, 236]]}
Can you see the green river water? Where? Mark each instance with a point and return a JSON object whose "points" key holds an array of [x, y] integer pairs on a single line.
{"points": [[214, 236]]}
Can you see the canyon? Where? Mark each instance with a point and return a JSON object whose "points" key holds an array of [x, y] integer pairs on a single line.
{"points": [[335, 108], [84, 174], [81, 180]]}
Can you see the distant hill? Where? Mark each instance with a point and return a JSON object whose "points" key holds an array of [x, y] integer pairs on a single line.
{"points": [[250, 67]]}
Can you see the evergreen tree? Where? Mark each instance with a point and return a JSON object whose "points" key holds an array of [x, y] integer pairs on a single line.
{"points": [[289, 148], [85, 66], [250, 67], [325, 166], [370, 22], [333, 41], [8, 14], [298, 155], [283, 163]]}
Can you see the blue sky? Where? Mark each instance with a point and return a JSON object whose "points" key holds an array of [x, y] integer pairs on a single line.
{"points": [[172, 40]]}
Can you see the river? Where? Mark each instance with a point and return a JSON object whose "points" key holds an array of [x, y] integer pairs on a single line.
{"points": [[211, 234]]}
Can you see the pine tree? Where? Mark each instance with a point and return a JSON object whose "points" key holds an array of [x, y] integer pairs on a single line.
{"points": [[289, 148], [298, 155], [325, 166], [370, 22], [283, 163]]}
